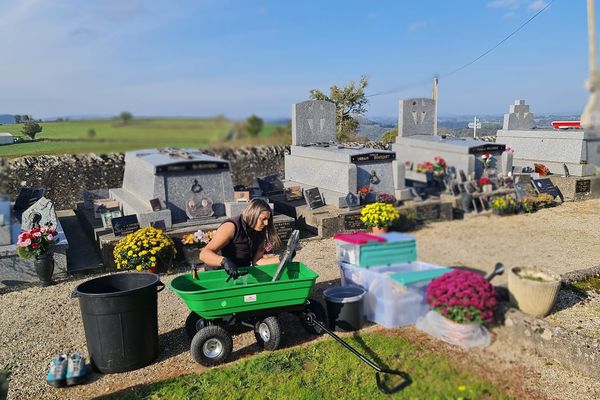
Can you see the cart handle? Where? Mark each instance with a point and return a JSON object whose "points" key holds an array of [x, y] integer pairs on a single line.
{"points": [[407, 380]]}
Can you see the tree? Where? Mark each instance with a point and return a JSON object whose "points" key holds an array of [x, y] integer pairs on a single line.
{"points": [[31, 128], [253, 125], [125, 117], [389, 136], [349, 100], [17, 119]]}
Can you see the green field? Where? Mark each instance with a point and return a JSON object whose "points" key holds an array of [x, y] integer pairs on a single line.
{"points": [[72, 137]]}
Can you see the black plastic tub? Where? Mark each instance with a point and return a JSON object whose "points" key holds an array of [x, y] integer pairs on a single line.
{"points": [[120, 319], [345, 308]]}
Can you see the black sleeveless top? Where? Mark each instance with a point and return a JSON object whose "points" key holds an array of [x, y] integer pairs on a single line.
{"points": [[244, 245]]}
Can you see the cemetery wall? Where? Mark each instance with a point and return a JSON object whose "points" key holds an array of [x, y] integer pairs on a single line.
{"points": [[66, 177]]}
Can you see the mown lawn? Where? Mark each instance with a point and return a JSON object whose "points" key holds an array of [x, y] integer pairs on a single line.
{"points": [[324, 370], [112, 136]]}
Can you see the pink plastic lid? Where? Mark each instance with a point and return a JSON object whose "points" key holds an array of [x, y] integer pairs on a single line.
{"points": [[358, 238]]}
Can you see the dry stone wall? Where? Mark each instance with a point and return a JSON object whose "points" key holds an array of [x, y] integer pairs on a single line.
{"points": [[66, 177]]}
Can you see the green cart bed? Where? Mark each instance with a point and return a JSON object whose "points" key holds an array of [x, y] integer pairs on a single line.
{"points": [[211, 297]]}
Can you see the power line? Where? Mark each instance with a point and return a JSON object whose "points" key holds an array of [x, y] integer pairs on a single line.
{"points": [[403, 88]]}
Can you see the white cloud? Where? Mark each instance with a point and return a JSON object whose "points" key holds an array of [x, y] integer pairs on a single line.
{"points": [[536, 5], [415, 26], [510, 4]]}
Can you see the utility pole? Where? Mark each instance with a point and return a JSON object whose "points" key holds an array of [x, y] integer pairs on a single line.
{"points": [[435, 101], [590, 118]]}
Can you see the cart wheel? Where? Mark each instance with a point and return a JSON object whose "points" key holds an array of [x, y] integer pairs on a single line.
{"points": [[211, 345], [193, 324], [268, 333], [316, 311]]}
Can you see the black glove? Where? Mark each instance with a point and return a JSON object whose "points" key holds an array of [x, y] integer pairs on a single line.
{"points": [[229, 267]]}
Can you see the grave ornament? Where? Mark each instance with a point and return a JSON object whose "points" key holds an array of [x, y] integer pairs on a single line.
{"points": [[41, 213], [197, 204]]}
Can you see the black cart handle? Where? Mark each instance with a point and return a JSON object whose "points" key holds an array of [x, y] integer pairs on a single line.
{"points": [[407, 380]]}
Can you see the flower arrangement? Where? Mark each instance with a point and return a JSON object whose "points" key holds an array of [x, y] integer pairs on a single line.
{"points": [[385, 198], [36, 242], [439, 166], [503, 204], [544, 200], [379, 215], [363, 191], [463, 297], [143, 249], [199, 237], [424, 167], [484, 181], [487, 159]]}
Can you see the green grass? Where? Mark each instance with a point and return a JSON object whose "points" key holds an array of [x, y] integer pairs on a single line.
{"points": [[71, 137], [591, 284], [325, 370]]}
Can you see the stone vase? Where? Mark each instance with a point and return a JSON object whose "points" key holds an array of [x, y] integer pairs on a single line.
{"points": [[44, 268], [535, 297], [488, 188]]}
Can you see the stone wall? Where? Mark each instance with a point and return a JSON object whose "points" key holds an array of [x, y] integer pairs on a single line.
{"points": [[66, 177]]}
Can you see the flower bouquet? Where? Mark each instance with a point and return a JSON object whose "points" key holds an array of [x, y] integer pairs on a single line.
{"points": [[424, 167], [462, 302], [439, 166], [487, 159], [385, 198], [193, 242], [379, 215], [143, 249], [36, 242], [364, 193]]}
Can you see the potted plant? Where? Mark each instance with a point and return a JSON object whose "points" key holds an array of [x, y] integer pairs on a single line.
{"points": [[503, 205], [379, 216], [426, 168], [144, 249], [364, 192], [37, 243], [462, 303], [439, 166], [544, 200], [528, 204], [533, 289], [193, 242], [385, 198]]}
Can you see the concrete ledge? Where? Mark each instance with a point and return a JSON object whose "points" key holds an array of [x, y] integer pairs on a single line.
{"points": [[573, 350]]}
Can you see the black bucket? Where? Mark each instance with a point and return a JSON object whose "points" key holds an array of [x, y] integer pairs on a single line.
{"points": [[120, 319], [345, 308]]}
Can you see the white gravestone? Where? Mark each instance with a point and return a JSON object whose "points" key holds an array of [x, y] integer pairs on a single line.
{"points": [[313, 121], [416, 117]]}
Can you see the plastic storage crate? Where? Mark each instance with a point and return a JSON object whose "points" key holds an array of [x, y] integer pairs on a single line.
{"points": [[367, 250], [388, 302]]}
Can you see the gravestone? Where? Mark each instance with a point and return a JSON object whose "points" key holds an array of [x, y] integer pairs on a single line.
{"points": [[188, 183], [41, 213], [125, 225], [518, 117], [270, 185], [545, 185], [5, 222], [315, 160], [26, 198], [416, 143], [313, 198], [575, 151]]}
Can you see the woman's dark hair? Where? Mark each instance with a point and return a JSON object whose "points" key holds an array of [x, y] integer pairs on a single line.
{"points": [[251, 214]]}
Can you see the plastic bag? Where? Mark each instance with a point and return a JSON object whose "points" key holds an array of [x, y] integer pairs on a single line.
{"points": [[465, 335]]}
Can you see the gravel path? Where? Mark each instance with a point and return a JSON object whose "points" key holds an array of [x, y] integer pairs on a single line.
{"points": [[37, 323]]}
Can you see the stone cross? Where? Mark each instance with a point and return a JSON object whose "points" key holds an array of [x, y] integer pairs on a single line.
{"points": [[519, 117], [313, 121], [416, 117], [39, 214]]}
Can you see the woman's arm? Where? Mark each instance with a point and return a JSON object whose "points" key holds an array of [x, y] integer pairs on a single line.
{"points": [[209, 254]]}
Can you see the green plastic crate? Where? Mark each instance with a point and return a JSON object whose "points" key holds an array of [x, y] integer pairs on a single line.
{"points": [[210, 296], [377, 254]]}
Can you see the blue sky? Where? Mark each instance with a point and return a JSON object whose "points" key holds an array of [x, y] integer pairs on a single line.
{"points": [[203, 58]]}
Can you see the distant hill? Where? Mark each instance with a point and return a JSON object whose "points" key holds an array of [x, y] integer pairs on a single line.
{"points": [[7, 119]]}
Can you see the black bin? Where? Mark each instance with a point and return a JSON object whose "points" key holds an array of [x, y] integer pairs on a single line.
{"points": [[120, 319], [345, 308]]}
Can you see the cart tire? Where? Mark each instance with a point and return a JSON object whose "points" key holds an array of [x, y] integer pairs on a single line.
{"points": [[316, 311], [211, 345], [193, 324], [268, 333]]}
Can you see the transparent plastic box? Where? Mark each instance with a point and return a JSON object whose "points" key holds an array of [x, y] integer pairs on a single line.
{"points": [[387, 302], [368, 250]]}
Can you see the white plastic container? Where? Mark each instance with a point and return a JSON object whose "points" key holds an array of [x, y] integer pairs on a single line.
{"points": [[387, 302], [394, 248]]}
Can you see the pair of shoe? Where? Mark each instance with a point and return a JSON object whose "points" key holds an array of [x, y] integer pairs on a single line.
{"points": [[69, 370]]}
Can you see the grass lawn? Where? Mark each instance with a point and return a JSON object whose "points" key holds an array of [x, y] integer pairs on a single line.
{"points": [[324, 370], [72, 137]]}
